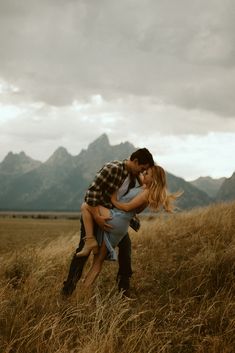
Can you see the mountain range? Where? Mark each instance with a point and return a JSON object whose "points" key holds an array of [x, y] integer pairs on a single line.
{"points": [[59, 183]]}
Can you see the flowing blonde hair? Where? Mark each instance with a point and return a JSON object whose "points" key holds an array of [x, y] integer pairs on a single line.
{"points": [[158, 195]]}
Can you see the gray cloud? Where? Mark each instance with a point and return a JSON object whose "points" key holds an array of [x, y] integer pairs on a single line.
{"points": [[181, 53]]}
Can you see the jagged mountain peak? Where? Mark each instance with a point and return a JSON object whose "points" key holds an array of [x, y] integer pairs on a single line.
{"points": [[61, 151], [15, 156], [208, 178], [232, 176], [17, 163], [101, 142], [99, 152], [60, 156], [205, 178]]}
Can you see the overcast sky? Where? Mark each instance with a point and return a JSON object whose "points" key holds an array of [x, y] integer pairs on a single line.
{"points": [[156, 73]]}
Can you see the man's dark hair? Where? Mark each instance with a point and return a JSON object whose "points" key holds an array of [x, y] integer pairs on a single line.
{"points": [[143, 156]]}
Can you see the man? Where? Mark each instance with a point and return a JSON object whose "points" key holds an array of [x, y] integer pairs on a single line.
{"points": [[116, 175]]}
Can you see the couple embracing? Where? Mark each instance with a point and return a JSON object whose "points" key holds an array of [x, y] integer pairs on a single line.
{"points": [[120, 190]]}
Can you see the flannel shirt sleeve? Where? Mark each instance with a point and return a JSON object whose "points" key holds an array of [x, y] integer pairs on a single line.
{"points": [[94, 194]]}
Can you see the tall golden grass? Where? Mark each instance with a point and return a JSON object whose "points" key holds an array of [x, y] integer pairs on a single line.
{"points": [[183, 288]]}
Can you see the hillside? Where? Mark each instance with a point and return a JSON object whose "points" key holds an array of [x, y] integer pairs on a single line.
{"points": [[209, 185], [191, 197], [227, 189], [12, 167], [183, 288]]}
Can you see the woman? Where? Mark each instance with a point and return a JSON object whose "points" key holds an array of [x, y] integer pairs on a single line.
{"points": [[153, 193]]}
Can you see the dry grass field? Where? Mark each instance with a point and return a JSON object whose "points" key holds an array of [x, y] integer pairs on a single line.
{"points": [[183, 288]]}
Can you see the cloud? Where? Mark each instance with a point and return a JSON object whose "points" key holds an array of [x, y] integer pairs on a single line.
{"points": [[178, 52], [159, 73], [130, 117]]}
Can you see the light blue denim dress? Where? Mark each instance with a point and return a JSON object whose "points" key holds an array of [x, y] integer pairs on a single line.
{"points": [[120, 222]]}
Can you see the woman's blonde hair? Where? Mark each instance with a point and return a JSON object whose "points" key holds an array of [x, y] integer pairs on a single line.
{"points": [[158, 195]]}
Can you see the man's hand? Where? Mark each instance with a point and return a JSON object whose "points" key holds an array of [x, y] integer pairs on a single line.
{"points": [[101, 221]]}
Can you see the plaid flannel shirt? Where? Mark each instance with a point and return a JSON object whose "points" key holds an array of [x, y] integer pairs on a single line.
{"points": [[107, 180]]}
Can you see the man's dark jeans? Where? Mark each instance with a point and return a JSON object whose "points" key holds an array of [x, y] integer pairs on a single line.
{"points": [[78, 263]]}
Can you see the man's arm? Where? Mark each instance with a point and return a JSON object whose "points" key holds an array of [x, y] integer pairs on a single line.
{"points": [[100, 220], [95, 194], [102, 184]]}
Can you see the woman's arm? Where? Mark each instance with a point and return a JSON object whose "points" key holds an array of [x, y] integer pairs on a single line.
{"points": [[140, 209], [139, 201]]}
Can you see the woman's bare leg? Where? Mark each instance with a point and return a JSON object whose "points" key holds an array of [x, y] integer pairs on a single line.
{"points": [[90, 240], [87, 219], [96, 266]]}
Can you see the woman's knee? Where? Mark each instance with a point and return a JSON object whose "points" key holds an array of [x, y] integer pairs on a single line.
{"points": [[84, 206]]}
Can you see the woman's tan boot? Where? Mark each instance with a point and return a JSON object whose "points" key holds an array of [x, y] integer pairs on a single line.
{"points": [[90, 245]]}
